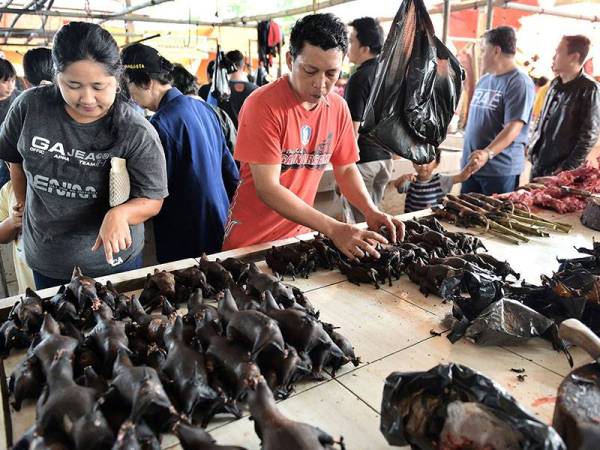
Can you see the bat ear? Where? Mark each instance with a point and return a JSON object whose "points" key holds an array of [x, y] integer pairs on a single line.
{"points": [[77, 272]]}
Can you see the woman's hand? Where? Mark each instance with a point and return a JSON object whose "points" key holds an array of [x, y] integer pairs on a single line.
{"points": [[114, 234]]}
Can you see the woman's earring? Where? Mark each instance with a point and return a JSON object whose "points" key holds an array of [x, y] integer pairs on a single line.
{"points": [[118, 89]]}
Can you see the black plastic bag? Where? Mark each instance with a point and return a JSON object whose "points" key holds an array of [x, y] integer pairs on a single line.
{"points": [[502, 322], [482, 290], [507, 322], [546, 302], [416, 406], [416, 90]]}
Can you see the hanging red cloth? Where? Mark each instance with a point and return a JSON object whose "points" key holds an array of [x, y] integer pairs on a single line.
{"points": [[274, 36]]}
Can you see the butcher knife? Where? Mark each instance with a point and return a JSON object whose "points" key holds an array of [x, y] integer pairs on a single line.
{"points": [[577, 411], [580, 192]]}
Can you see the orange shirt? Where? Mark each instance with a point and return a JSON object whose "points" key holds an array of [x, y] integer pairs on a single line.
{"points": [[275, 129]]}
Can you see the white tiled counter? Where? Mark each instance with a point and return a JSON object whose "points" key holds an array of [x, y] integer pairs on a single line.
{"points": [[390, 329]]}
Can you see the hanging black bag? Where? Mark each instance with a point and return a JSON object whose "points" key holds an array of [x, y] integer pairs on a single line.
{"points": [[220, 85], [416, 90]]}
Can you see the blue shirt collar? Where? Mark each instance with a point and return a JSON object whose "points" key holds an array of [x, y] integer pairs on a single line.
{"points": [[171, 94]]}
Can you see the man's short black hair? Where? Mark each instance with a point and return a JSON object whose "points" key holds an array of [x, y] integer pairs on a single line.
{"points": [[503, 37], [325, 31], [236, 58], [184, 80], [37, 65], [369, 33], [578, 44], [210, 69], [7, 70]]}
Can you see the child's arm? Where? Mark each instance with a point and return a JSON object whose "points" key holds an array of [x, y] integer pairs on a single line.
{"points": [[464, 175], [19, 182], [400, 182], [11, 226]]}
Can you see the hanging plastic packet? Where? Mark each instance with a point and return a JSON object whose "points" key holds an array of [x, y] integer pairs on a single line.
{"points": [[219, 90], [416, 90], [119, 185]]}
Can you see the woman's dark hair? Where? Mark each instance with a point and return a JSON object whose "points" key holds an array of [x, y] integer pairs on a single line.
{"points": [[184, 80], [438, 155], [37, 65], [7, 70], [369, 33], [503, 37], [80, 41], [321, 30]]}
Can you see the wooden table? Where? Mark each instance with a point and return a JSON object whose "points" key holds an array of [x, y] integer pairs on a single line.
{"points": [[390, 329]]}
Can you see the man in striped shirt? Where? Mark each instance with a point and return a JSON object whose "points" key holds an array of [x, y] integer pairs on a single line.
{"points": [[426, 189]]}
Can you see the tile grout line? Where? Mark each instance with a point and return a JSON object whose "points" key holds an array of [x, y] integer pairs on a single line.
{"points": [[324, 286], [337, 379], [332, 379], [408, 301], [358, 397], [247, 414], [532, 361], [502, 347], [327, 381], [381, 358]]}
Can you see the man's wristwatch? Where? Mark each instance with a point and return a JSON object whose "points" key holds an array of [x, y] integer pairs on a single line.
{"points": [[490, 154]]}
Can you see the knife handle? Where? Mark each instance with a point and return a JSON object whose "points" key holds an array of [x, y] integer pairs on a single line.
{"points": [[577, 333]]}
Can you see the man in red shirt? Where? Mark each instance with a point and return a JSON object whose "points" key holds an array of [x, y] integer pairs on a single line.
{"points": [[289, 131]]}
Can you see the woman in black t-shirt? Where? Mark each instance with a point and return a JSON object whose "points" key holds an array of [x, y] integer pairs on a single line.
{"points": [[60, 141]]}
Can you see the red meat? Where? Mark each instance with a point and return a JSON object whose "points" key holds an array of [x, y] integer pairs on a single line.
{"points": [[585, 178]]}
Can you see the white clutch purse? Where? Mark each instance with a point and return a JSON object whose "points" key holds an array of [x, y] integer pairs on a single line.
{"points": [[119, 187]]}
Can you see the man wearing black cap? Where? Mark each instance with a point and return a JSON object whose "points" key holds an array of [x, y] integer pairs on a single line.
{"points": [[202, 175]]}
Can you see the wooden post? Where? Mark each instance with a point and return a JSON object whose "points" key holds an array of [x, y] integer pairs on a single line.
{"points": [[446, 21], [490, 14]]}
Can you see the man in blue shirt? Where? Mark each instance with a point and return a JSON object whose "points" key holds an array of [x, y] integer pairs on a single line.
{"points": [[202, 176], [499, 117]]}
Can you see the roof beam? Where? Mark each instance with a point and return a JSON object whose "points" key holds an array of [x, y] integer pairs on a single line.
{"points": [[315, 6], [439, 9], [130, 17], [132, 8], [143, 5]]}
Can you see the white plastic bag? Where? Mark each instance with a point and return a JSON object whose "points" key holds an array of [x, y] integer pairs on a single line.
{"points": [[119, 186]]}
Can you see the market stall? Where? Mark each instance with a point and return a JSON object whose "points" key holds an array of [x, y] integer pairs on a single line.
{"points": [[392, 329], [288, 344]]}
